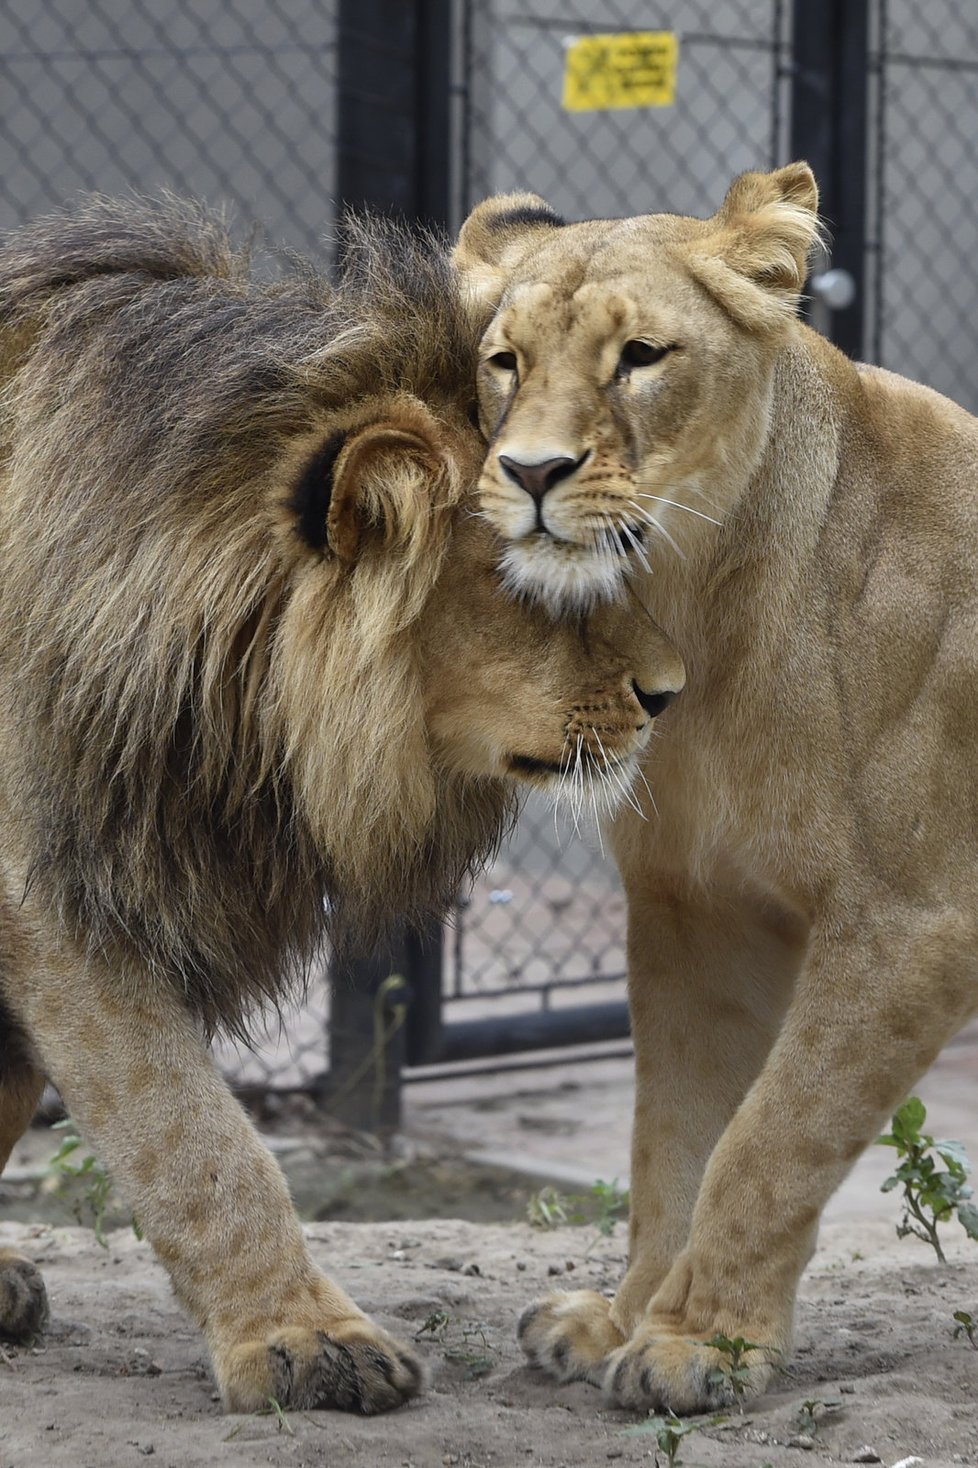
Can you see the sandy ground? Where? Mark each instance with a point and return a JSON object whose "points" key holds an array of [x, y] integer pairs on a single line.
{"points": [[122, 1375]]}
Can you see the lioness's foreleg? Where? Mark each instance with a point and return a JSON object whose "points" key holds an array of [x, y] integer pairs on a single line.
{"points": [[875, 1004], [23, 1301], [708, 988], [210, 1198]]}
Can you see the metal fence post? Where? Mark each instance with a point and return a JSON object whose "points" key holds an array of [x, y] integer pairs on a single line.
{"points": [[828, 127], [394, 155]]}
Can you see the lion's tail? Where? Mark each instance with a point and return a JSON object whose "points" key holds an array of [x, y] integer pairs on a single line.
{"points": [[165, 239]]}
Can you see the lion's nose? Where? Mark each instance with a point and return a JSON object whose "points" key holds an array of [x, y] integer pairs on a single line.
{"points": [[537, 479], [653, 703]]}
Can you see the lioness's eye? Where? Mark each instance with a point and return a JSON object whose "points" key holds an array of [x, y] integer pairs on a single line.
{"points": [[640, 354], [505, 361]]}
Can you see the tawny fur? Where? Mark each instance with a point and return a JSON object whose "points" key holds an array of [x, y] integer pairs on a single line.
{"points": [[803, 905], [258, 684]]}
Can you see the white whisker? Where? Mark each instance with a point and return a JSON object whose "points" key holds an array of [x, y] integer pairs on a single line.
{"points": [[676, 504], [594, 806], [635, 543], [641, 775], [614, 772]]}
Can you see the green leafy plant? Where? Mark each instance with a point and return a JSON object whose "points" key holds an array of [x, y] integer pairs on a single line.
{"points": [[604, 1205], [812, 1412], [96, 1185], [668, 1432], [463, 1342], [734, 1368], [274, 1409], [611, 1203], [932, 1194], [967, 1326], [549, 1209]]}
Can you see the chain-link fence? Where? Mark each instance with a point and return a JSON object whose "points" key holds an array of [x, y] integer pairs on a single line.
{"points": [[728, 110], [226, 100], [278, 107], [923, 226]]}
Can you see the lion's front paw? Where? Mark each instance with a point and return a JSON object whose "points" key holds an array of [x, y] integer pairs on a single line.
{"points": [[23, 1298], [570, 1335], [355, 1366], [659, 1368]]}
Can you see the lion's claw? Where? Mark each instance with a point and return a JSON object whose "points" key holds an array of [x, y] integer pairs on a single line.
{"points": [[23, 1298], [569, 1335], [361, 1370], [669, 1372]]}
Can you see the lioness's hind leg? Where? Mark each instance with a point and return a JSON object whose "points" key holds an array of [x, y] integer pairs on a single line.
{"points": [[570, 1334]]}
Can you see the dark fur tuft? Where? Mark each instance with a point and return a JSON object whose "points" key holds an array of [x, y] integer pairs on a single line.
{"points": [[524, 214]]}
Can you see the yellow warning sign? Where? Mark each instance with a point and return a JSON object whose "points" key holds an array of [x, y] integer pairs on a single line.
{"points": [[632, 69]]}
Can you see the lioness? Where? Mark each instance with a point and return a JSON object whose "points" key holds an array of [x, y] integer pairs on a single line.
{"points": [[257, 683], [803, 908]]}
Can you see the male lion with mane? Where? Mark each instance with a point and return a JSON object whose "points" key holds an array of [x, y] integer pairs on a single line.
{"points": [[257, 683], [803, 905]]}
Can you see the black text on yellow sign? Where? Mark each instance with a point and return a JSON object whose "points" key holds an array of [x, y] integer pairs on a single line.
{"points": [[632, 69]]}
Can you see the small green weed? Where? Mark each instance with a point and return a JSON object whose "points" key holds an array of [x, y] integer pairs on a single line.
{"points": [[611, 1203], [604, 1205], [668, 1432], [549, 1208], [812, 1413], [734, 1370], [96, 1183], [463, 1342], [274, 1409], [967, 1326], [932, 1194]]}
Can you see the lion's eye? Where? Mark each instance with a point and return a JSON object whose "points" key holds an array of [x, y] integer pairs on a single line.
{"points": [[505, 361], [640, 354]]}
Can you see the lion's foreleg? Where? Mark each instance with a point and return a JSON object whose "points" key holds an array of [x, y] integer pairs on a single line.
{"points": [[872, 1008], [209, 1197]]}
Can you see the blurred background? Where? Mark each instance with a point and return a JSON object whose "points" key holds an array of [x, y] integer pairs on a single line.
{"points": [[287, 109]]}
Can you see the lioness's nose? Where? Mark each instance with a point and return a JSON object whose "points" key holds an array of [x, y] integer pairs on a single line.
{"points": [[656, 700], [536, 479]]}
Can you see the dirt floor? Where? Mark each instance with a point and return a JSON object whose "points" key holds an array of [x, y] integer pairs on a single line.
{"points": [[123, 1376]]}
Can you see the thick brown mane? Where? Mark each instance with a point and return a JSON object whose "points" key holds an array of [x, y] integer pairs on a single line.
{"points": [[175, 655]]}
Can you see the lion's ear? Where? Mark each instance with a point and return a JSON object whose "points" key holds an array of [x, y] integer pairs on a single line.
{"points": [[495, 237], [762, 237], [386, 482]]}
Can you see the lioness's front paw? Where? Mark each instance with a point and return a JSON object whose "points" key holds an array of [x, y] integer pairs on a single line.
{"points": [[355, 1366], [570, 1335], [659, 1368], [23, 1298]]}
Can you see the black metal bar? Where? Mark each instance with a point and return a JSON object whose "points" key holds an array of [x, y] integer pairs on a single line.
{"points": [[393, 155], [580, 1024], [367, 1026], [828, 127], [393, 133], [424, 966]]}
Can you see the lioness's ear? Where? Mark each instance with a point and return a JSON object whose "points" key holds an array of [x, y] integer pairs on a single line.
{"points": [[763, 233], [386, 482], [495, 237]]}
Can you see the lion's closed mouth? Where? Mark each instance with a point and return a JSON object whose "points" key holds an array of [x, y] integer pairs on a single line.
{"points": [[528, 764]]}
